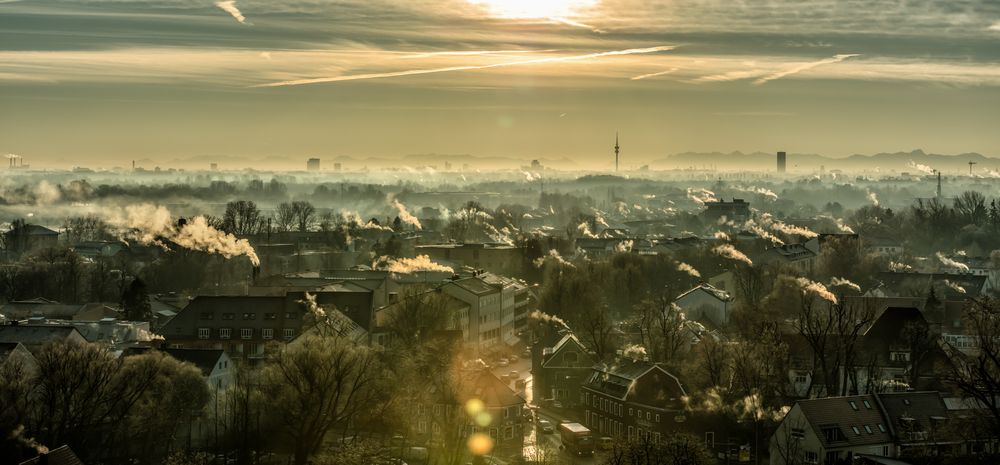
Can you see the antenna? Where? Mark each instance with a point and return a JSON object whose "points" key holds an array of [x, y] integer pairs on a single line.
{"points": [[970, 167], [617, 150]]}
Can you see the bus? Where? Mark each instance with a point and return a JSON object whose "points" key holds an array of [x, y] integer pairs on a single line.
{"points": [[576, 438]]}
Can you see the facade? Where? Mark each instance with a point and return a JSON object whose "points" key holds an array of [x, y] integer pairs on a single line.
{"points": [[633, 400], [795, 256], [492, 306], [239, 325], [737, 210], [312, 164], [705, 302], [781, 162], [559, 371]]}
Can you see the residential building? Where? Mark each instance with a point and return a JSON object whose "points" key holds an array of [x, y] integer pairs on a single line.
{"points": [[705, 302], [794, 256], [633, 399], [560, 370], [491, 302], [738, 210], [217, 368], [832, 430], [34, 337], [503, 259]]}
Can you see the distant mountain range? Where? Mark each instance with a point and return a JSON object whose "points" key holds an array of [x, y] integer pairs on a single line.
{"points": [[913, 162]]}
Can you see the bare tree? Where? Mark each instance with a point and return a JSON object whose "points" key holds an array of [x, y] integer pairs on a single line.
{"points": [[978, 375], [242, 218], [285, 217]]}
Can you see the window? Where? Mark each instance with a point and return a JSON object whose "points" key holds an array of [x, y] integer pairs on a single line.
{"points": [[246, 333], [710, 440], [267, 333], [291, 315], [881, 428], [289, 333], [648, 416], [207, 315], [225, 333], [657, 417], [630, 411], [270, 316], [868, 429], [854, 405], [228, 316], [868, 405], [811, 457], [203, 333], [800, 377], [250, 316], [857, 432], [833, 434], [798, 433]]}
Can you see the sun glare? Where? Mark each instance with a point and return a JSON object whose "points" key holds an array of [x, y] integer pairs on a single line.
{"points": [[526, 9]]}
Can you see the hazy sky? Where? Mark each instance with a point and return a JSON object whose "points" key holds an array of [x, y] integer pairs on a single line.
{"points": [[97, 82]]}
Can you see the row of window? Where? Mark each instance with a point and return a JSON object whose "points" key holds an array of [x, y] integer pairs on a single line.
{"points": [[616, 408], [208, 316], [245, 333]]}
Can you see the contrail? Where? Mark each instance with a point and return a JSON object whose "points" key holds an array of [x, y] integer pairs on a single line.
{"points": [[413, 72], [229, 6], [661, 73], [570, 22], [803, 67], [472, 53]]}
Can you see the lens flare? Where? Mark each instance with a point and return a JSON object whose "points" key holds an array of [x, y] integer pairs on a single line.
{"points": [[534, 9], [480, 444]]}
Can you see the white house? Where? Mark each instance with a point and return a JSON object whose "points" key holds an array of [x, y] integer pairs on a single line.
{"points": [[705, 302]]}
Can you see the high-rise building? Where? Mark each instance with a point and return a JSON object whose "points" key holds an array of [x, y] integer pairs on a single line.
{"points": [[312, 164], [781, 162], [617, 150], [337, 166]]}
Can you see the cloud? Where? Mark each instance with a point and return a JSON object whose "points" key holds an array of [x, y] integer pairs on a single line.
{"points": [[995, 26], [803, 67], [229, 6], [570, 22], [413, 72], [659, 73], [471, 53]]}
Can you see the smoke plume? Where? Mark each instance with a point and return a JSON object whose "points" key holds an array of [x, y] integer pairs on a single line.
{"points": [[816, 288], [404, 214], [410, 265], [844, 282], [730, 252], [951, 263]]}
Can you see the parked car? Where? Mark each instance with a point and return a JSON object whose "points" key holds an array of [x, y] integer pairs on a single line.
{"points": [[514, 375], [526, 353], [503, 362], [546, 426], [605, 443], [512, 358]]}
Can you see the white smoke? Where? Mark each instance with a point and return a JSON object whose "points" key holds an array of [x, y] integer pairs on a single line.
{"points": [[624, 246], [700, 196], [410, 265], [542, 316], [309, 301], [404, 214], [730, 252], [922, 168], [843, 227], [844, 282], [873, 198], [152, 224], [46, 194], [766, 193], [951, 263], [818, 289], [681, 266], [634, 352], [720, 235], [554, 256], [584, 229], [897, 266], [954, 286]]}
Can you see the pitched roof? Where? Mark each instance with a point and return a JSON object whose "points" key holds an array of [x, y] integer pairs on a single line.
{"points": [[62, 455], [708, 288], [913, 411], [845, 414], [35, 335], [485, 386], [204, 359], [475, 285]]}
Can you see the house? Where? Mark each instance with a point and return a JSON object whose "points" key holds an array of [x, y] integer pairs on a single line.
{"points": [[27, 237], [902, 349], [821, 241], [560, 369], [109, 331], [458, 309], [498, 258], [16, 356], [878, 429], [705, 302], [49, 309], [217, 368], [239, 325], [884, 246], [737, 210], [912, 284], [795, 256], [831, 431], [34, 337], [633, 399]]}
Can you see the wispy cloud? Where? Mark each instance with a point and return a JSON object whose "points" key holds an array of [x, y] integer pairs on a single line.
{"points": [[729, 76], [229, 6], [570, 22], [995, 26], [414, 72], [803, 67], [659, 73]]}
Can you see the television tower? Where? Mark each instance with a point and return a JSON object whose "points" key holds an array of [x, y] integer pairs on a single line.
{"points": [[617, 150]]}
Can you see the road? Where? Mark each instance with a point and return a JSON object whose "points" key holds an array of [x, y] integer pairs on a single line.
{"points": [[536, 443]]}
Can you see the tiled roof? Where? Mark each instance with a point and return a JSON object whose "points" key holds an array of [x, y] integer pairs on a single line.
{"points": [[847, 415], [59, 456]]}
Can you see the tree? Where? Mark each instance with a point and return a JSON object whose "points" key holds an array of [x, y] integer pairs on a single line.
{"points": [[135, 302], [318, 383], [242, 218], [86, 228], [970, 207], [978, 375], [674, 449], [304, 213], [285, 217]]}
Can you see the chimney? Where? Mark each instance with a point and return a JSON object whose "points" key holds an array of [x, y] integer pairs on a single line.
{"points": [[939, 186]]}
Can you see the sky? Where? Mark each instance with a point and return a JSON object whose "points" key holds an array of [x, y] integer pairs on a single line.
{"points": [[103, 82]]}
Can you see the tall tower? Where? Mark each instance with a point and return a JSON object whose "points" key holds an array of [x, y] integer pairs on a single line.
{"points": [[781, 162], [617, 150]]}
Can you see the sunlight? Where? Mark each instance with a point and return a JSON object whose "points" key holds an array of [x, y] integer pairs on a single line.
{"points": [[541, 9]]}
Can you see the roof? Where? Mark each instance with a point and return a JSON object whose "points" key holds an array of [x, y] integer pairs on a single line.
{"points": [[204, 359], [902, 284], [62, 455], [618, 380], [485, 386], [38, 230], [845, 414], [7, 348], [913, 411], [791, 252], [34, 335], [475, 285], [709, 289]]}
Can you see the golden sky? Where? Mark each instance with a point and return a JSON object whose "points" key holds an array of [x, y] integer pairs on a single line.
{"points": [[101, 82]]}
